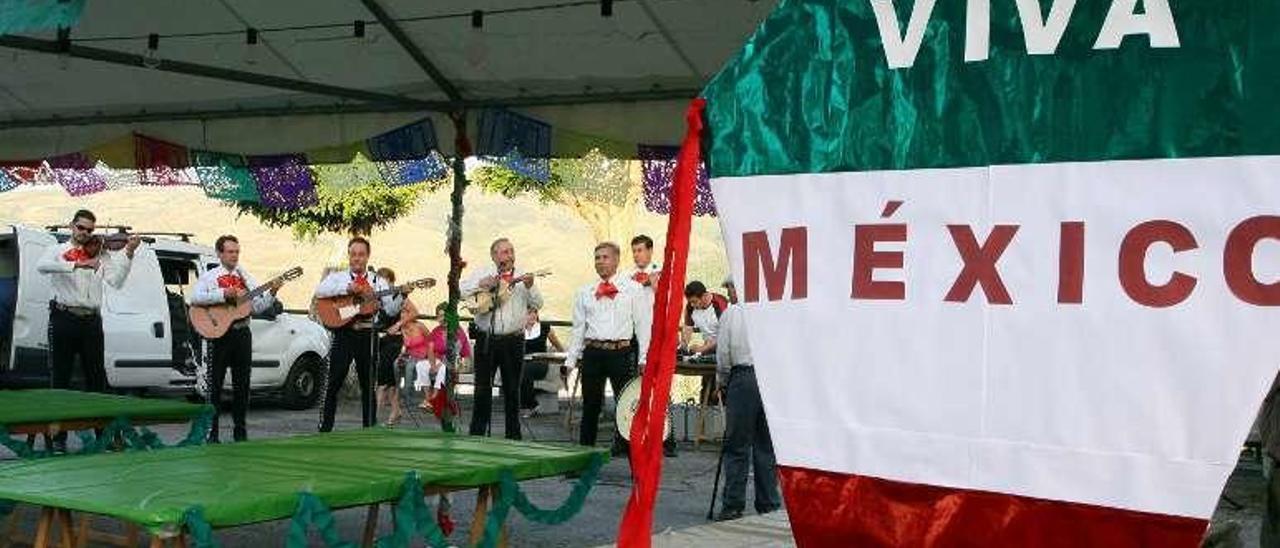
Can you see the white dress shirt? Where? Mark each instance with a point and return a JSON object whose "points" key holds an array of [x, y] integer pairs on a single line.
{"points": [[82, 287], [335, 284], [706, 321], [732, 347], [510, 315], [648, 294], [605, 319], [207, 291]]}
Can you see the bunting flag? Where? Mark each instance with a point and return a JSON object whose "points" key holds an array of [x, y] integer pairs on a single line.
{"points": [[405, 155], [161, 162], [8, 182], [597, 178], [116, 162], [344, 167], [77, 174], [1048, 315], [22, 16], [224, 176], [657, 168], [27, 172], [284, 182], [520, 143]]}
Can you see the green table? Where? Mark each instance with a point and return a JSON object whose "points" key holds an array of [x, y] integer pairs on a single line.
{"points": [[260, 480], [52, 411]]}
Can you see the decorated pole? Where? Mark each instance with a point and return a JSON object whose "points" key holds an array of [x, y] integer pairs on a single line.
{"points": [[462, 149]]}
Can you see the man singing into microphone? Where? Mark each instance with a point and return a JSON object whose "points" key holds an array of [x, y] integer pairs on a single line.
{"points": [[354, 341]]}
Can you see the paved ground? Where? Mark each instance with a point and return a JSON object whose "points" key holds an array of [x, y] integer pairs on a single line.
{"points": [[682, 503]]}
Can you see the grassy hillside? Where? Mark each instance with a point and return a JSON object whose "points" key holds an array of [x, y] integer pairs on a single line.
{"points": [[545, 235]]}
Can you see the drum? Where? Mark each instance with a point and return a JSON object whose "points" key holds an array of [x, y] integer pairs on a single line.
{"points": [[628, 401]]}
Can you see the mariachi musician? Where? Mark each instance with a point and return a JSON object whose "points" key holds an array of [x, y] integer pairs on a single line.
{"points": [[77, 271], [234, 349], [607, 316], [356, 341]]}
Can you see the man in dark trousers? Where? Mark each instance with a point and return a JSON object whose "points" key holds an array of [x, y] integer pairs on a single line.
{"points": [[78, 271], [747, 441], [233, 350]]}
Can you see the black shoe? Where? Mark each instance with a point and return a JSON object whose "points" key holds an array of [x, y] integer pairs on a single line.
{"points": [[669, 448], [727, 515], [240, 434]]}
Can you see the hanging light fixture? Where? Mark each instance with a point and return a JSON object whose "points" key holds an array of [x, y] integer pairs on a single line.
{"points": [[606, 8], [153, 44], [64, 48], [477, 19], [358, 29], [251, 46]]}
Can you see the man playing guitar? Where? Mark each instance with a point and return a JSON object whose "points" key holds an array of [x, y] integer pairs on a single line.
{"points": [[233, 350], [500, 344], [357, 339]]}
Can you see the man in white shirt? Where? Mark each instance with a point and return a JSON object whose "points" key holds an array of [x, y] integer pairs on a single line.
{"points": [[76, 280], [500, 335], [646, 273], [228, 283], [747, 430], [607, 314], [354, 341], [78, 270]]}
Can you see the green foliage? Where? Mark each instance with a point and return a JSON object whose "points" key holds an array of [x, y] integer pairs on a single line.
{"points": [[355, 211], [502, 180]]}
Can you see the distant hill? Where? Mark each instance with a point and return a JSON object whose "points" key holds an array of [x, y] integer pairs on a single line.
{"points": [[545, 235]]}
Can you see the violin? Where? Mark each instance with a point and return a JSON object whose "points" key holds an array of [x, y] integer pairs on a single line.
{"points": [[110, 242]]}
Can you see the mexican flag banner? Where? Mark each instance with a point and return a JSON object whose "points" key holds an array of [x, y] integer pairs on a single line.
{"points": [[1010, 268]]}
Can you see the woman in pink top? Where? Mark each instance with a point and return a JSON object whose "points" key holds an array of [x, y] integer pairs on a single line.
{"points": [[430, 363]]}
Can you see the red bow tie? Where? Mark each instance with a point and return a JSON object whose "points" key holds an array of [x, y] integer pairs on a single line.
{"points": [[75, 254], [641, 277], [507, 276], [230, 280], [362, 280], [606, 290]]}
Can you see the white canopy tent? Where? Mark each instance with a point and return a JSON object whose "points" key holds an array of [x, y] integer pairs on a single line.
{"points": [[309, 81]]}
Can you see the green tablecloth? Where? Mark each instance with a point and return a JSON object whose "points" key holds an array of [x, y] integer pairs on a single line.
{"points": [[260, 480], [44, 406]]}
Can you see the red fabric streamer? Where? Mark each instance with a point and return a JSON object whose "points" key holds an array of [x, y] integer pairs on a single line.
{"points": [[641, 278], [831, 509], [647, 427]]}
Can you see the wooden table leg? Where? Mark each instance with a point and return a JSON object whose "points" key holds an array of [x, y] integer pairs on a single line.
{"points": [[131, 534], [480, 516], [82, 536], [370, 525], [42, 528], [156, 541], [11, 527], [66, 533]]}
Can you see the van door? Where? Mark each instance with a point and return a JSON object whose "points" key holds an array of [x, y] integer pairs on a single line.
{"points": [[29, 352], [136, 326]]}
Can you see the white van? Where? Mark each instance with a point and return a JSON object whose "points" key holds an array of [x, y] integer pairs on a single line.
{"points": [[149, 343]]}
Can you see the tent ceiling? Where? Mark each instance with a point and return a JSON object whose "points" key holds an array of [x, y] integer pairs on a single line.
{"points": [[528, 52]]}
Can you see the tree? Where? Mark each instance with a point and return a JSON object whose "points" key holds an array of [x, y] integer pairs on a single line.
{"points": [[354, 211], [597, 188]]}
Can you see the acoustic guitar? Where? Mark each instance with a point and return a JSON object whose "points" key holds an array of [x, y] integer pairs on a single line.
{"points": [[213, 320], [336, 312], [481, 301]]}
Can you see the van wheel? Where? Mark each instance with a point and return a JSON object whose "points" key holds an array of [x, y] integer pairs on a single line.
{"points": [[302, 386]]}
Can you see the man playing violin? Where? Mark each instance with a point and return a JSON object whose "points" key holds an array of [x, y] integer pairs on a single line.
{"points": [[500, 340], [227, 283], [77, 271], [356, 340]]}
